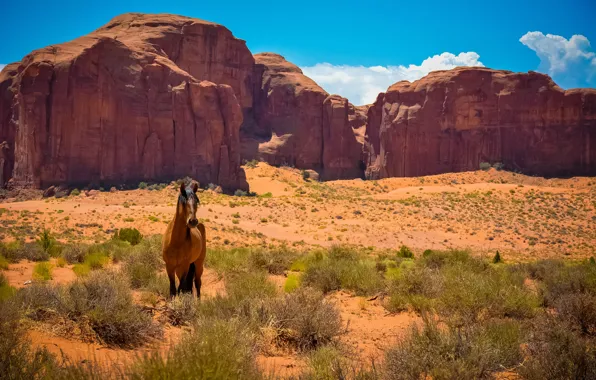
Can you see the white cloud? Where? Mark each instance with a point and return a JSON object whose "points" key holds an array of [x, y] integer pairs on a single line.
{"points": [[566, 58], [1, 66], [361, 85]]}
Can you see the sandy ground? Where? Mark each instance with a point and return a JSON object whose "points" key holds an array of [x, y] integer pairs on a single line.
{"points": [[522, 217]]}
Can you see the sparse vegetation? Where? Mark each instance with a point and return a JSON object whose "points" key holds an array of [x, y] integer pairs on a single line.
{"points": [[131, 235], [42, 271]]}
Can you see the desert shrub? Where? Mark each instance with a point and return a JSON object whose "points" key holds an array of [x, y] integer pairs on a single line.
{"points": [[499, 166], [485, 166], [470, 296], [305, 175], [557, 352], [3, 263], [48, 243], [497, 259], [227, 260], [292, 283], [75, 192], [216, 350], [183, 309], [578, 310], [159, 285], [17, 250], [472, 352], [131, 235], [81, 270], [142, 185], [143, 263], [6, 291], [74, 254], [251, 164], [415, 286], [96, 260], [329, 363], [240, 193], [305, 319], [246, 295], [60, 262], [274, 261], [405, 252], [17, 359], [343, 268], [103, 299], [42, 271]]}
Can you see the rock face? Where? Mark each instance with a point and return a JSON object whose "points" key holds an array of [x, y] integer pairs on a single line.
{"points": [[159, 97], [134, 100], [297, 123], [450, 121]]}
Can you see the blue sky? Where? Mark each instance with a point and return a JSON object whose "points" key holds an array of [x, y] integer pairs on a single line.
{"points": [[355, 47]]}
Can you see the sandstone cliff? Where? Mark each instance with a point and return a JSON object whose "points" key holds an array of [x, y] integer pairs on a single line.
{"points": [[134, 100], [452, 120], [297, 123]]}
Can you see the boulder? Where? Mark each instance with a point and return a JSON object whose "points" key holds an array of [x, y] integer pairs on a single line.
{"points": [[49, 192]]}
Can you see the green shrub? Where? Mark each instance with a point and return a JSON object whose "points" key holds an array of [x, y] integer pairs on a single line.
{"points": [[143, 263], [329, 363], [216, 350], [344, 268], [405, 252], [47, 242], [96, 261], [240, 193], [142, 185], [131, 235], [6, 291], [471, 352], [75, 192], [252, 164], [305, 319], [499, 166], [275, 261], [485, 166], [497, 259], [42, 271], [3, 263], [292, 283], [305, 175], [81, 270], [159, 285]]}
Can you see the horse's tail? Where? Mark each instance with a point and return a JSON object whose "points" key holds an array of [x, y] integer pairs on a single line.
{"points": [[190, 277]]}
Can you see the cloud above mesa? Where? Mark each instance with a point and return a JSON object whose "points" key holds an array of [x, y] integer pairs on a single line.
{"points": [[569, 61], [361, 84], [1, 66]]}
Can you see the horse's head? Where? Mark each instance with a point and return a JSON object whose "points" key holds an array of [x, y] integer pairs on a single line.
{"points": [[188, 203]]}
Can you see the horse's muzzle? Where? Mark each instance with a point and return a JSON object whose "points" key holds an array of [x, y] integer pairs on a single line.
{"points": [[193, 222]]}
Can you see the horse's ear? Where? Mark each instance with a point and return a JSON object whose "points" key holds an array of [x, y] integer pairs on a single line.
{"points": [[183, 188], [194, 186]]}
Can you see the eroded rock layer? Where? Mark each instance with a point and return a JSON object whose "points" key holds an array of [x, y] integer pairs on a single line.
{"points": [[451, 121], [134, 100]]}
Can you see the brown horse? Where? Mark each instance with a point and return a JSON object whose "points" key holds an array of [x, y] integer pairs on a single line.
{"points": [[184, 243]]}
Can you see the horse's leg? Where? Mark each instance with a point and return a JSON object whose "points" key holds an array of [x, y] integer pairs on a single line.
{"points": [[182, 272], [198, 273], [170, 269]]}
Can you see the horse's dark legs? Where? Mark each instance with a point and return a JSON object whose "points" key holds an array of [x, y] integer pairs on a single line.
{"points": [[172, 278]]}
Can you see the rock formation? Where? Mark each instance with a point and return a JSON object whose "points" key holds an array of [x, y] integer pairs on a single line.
{"points": [[135, 100], [297, 123], [159, 97], [451, 121]]}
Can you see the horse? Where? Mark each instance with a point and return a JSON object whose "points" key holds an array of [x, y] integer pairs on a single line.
{"points": [[184, 243]]}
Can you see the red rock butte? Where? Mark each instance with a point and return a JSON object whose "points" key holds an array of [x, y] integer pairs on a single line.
{"points": [[159, 97]]}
